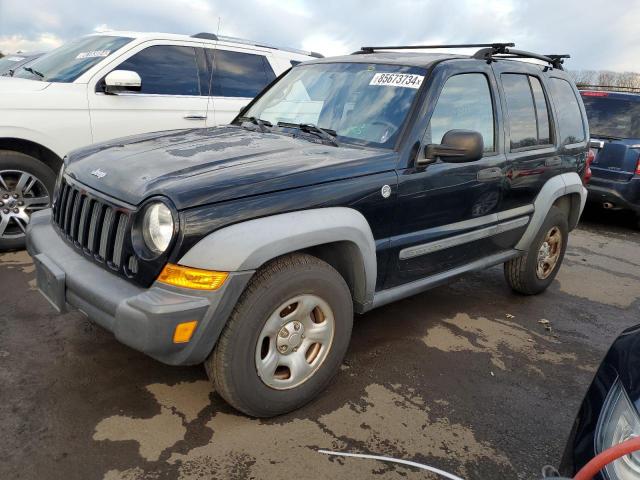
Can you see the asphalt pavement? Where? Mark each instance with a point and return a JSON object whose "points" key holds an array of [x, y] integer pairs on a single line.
{"points": [[469, 378]]}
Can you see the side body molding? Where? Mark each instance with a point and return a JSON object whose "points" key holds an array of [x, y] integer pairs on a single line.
{"points": [[250, 244], [556, 187]]}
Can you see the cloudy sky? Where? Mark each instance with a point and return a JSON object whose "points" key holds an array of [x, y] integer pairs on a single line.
{"points": [[599, 34]]}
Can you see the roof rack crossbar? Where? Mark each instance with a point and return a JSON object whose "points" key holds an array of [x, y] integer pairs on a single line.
{"points": [[222, 38], [554, 60], [420, 47]]}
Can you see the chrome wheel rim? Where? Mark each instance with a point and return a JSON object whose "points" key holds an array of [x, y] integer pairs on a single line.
{"points": [[294, 342], [21, 194], [549, 253]]}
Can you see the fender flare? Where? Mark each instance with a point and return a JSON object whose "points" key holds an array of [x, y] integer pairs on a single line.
{"points": [[249, 245], [554, 188]]}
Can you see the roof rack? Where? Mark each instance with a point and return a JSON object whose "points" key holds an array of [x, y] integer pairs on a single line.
{"points": [[488, 51], [222, 38], [491, 54], [421, 47]]}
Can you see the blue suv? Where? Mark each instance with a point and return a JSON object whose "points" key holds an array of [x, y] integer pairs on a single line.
{"points": [[614, 121]]}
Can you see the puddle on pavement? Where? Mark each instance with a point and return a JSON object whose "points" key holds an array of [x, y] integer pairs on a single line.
{"points": [[391, 421], [500, 339]]}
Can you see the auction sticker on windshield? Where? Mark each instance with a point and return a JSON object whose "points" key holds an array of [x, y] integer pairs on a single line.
{"points": [[93, 54], [406, 80]]}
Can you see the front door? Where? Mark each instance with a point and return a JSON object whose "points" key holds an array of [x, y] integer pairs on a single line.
{"points": [[173, 95], [448, 212]]}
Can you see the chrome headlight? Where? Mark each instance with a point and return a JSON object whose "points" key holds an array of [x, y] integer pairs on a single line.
{"points": [[619, 421], [157, 227]]}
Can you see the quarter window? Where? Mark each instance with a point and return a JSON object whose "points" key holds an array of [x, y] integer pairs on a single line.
{"points": [[240, 74], [165, 70], [465, 103], [569, 113], [528, 111]]}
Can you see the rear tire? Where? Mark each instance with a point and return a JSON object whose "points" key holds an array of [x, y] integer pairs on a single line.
{"points": [[533, 272], [285, 339], [23, 180]]}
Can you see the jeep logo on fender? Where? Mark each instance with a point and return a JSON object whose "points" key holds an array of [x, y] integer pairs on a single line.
{"points": [[99, 173]]}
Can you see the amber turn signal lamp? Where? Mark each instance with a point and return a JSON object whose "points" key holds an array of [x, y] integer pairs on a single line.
{"points": [[188, 277], [184, 331]]}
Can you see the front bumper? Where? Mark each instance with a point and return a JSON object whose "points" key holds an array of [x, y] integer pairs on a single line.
{"points": [[144, 319], [621, 194]]}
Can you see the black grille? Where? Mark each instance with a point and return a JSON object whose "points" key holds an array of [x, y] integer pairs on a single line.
{"points": [[92, 224]]}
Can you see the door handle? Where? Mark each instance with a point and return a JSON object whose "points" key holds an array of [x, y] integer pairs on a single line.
{"points": [[195, 116], [490, 174]]}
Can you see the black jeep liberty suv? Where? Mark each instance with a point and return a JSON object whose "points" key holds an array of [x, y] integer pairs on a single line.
{"points": [[348, 183]]}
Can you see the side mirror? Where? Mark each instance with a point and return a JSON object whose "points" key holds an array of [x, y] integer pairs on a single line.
{"points": [[458, 146], [120, 81]]}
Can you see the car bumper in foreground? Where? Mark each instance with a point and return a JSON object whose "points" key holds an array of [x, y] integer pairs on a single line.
{"points": [[624, 195], [144, 319]]}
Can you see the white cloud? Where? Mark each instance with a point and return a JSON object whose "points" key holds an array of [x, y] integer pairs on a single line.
{"points": [[596, 38], [18, 43]]}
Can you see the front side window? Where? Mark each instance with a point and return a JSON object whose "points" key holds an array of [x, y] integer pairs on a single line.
{"points": [[569, 114], [364, 104], [464, 103], [165, 70], [240, 74], [528, 115], [68, 62]]}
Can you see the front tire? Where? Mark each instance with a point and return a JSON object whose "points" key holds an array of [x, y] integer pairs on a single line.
{"points": [[26, 185], [533, 272], [285, 339]]}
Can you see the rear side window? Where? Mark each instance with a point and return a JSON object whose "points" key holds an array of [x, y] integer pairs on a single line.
{"points": [[240, 74], [464, 103], [569, 114], [528, 113], [612, 116], [165, 70]]}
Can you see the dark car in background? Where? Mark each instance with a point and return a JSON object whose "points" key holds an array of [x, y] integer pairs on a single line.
{"points": [[609, 414], [614, 121], [10, 63]]}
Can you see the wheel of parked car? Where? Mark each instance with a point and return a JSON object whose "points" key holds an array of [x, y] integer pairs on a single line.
{"points": [[26, 185], [533, 272], [286, 337]]}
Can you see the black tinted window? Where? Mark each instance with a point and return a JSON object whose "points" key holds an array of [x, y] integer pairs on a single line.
{"points": [[615, 117], [569, 115], [240, 74], [165, 70], [522, 113], [464, 103], [542, 111]]}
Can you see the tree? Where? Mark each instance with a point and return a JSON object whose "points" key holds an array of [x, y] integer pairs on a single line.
{"points": [[1, 55]]}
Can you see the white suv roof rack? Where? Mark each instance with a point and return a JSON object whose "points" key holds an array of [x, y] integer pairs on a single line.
{"points": [[221, 38]]}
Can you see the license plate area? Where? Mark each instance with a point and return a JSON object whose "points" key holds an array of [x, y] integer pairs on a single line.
{"points": [[50, 280]]}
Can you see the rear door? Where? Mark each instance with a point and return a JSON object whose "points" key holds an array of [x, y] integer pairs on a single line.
{"points": [[173, 94], [614, 121], [239, 74], [532, 153]]}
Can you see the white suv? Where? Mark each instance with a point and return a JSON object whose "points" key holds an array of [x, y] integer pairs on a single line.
{"points": [[114, 84]]}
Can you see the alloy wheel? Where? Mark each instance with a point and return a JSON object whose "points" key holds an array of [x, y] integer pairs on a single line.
{"points": [[21, 194]]}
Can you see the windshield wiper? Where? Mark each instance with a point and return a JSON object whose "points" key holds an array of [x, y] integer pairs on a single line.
{"points": [[324, 133], [34, 72], [262, 124]]}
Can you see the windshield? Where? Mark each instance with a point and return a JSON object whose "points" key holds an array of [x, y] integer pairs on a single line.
{"points": [[10, 62], [68, 62], [364, 104], [613, 117]]}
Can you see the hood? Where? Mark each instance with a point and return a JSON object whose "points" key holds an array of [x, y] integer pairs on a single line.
{"points": [[12, 85], [201, 166]]}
